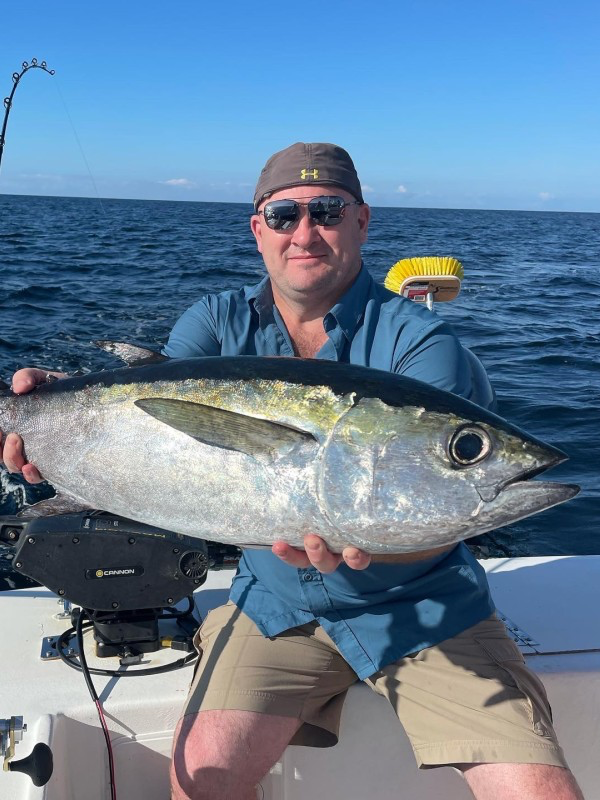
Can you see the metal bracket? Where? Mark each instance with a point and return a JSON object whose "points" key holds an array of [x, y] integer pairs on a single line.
{"points": [[50, 649], [11, 732], [67, 607]]}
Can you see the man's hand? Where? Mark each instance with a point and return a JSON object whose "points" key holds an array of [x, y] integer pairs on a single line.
{"points": [[316, 554], [12, 451]]}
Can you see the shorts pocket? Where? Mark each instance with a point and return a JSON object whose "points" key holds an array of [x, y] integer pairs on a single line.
{"points": [[505, 653], [500, 649]]}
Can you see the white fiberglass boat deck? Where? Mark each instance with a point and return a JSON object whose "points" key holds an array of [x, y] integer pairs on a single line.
{"points": [[550, 604]]}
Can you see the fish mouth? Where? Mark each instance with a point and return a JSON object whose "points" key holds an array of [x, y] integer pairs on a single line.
{"points": [[537, 495], [521, 496], [531, 495]]}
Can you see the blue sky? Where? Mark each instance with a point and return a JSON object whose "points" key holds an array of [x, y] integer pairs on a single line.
{"points": [[452, 104]]}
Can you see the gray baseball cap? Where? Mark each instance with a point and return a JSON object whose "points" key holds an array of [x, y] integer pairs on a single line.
{"points": [[318, 163]]}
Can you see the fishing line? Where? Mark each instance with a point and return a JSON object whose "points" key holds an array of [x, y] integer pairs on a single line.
{"points": [[75, 134]]}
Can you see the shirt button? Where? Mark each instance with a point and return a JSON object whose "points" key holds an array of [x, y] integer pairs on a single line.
{"points": [[308, 576]]}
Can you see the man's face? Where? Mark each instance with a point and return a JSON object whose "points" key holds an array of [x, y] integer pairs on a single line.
{"points": [[309, 261]]}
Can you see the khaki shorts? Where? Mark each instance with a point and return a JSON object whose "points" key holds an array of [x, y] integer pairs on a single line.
{"points": [[469, 699]]}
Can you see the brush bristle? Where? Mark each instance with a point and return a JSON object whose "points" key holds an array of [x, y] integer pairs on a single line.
{"points": [[427, 265]]}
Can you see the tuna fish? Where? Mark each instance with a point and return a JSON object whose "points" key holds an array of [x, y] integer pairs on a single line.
{"points": [[247, 450]]}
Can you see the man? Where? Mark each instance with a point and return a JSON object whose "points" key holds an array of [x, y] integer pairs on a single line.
{"points": [[302, 626]]}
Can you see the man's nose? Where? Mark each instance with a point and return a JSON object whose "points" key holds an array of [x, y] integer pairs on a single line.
{"points": [[306, 231]]}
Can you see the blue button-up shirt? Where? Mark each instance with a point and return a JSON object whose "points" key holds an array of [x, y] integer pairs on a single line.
{"points": [[380, 614]]}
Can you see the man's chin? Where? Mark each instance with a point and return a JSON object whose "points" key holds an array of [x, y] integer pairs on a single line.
{"points": [[315, 281], [311, 284]]}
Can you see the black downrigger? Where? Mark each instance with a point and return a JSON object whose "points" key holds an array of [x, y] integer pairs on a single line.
{"points": [[126, 579], [123, 574]]}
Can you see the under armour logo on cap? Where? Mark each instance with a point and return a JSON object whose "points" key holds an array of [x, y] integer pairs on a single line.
{"points": [[316, 163]]}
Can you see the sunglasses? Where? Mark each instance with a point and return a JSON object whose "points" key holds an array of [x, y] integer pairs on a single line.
{"points": [[328, 210]]}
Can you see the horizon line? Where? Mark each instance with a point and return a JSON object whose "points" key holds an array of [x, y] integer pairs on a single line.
{"points": [[249, 203]]}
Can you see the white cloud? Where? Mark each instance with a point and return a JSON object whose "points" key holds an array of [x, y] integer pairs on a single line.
{"points": [[546, 196], [366, 188], [402, 189], [41, 176], [183, 182]]}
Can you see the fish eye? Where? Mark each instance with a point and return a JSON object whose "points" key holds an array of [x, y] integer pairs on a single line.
{"points": [[469, 446]]}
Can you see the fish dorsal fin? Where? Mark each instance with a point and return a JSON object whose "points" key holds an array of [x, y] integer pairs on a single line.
{"points": [[226, 429], [59, 504], [131, 354]]}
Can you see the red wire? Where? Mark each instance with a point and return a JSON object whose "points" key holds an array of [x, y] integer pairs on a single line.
{"points": [[111, 763], [88, 679]]}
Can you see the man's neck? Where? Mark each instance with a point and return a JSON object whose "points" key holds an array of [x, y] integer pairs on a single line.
{"points": [[304, 324], [303, 316], [301, 311]]}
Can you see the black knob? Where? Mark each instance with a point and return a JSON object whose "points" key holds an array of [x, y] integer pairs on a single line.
{"points": [[38, 764], [194, 564]]}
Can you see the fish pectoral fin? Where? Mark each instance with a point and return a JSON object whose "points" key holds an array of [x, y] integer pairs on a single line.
{"points": [[226, 429], [131, 354], [59, 504]]}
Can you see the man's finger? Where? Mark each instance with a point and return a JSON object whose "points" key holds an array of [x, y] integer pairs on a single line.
{"points": [[31, 474], [355, 558], [320, 557], [13, 453], [24, 380], [316, 554], [15, 461], [291, 555]]}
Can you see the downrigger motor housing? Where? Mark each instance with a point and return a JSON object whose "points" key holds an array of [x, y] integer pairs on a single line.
{"points": [[123, 573]]}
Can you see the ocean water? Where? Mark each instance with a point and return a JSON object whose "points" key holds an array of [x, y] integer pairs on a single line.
{"points": [[73, 270]]}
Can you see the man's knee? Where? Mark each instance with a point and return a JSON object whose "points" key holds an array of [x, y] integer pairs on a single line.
{"points": [[204, 763], [521, 782], [224, 754]]}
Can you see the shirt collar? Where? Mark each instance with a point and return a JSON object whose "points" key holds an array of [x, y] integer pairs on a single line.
{"points": [[260, 297], [349, 309], [347, 312]]}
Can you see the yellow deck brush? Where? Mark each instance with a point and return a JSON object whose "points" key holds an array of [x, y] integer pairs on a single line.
{"points": [[426, 279]]}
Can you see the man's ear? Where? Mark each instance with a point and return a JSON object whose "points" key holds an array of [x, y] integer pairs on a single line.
{"points": [[255, 227], [364, 215]]}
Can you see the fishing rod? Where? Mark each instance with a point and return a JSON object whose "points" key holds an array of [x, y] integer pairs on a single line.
{"points": [[8, 100]]}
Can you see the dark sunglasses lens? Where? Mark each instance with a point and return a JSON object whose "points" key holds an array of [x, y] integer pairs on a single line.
{"points": [[281, 214], [326, 210]]}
